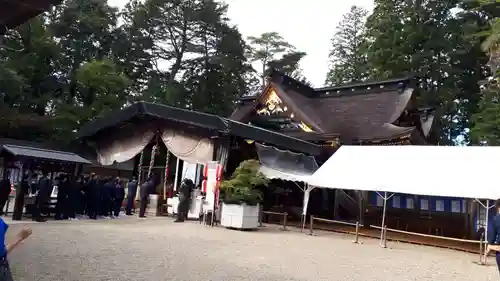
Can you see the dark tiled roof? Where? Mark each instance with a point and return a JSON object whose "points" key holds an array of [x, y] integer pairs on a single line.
{"points": [[81, 150], [361, 111], [44, 154], [17, 12], [142, 112]]}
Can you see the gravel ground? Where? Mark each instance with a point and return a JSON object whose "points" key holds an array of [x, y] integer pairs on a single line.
{"points": [[158, 249]]}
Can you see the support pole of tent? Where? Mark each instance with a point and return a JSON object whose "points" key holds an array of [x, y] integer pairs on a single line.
{"points": [[483, 250], [383, 232], [383, 219], [486, 230], [303, 217], [487, 217], [176, 173], [307, 192]]}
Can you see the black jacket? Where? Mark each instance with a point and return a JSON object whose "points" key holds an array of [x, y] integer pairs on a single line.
{"points": [[494, 232], [147, 188], [132, 189], [45, 187]]}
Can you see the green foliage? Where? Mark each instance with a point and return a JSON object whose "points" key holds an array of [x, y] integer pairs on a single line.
{"points": [[348, 57], [433, 40], [85, 58], [271, 50], [485, 128], [242, 187], [486, 123]]}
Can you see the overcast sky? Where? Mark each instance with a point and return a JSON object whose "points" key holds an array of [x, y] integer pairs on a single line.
{"points": [[307, 24]]}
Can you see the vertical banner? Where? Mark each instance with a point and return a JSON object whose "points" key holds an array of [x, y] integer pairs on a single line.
{"points": [[212, 173]]}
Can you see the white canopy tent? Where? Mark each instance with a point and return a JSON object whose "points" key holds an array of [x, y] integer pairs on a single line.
{"points": [[448, 171], [288, 166]]}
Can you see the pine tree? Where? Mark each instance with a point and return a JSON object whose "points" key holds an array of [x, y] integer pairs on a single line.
{"points": [[348, 61], [432, 41]]}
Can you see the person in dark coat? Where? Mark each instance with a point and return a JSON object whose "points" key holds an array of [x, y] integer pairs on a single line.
{"points": [[62, 204], [77, 197], [43, 195], [107, 189], [119, 195], [5, 189], [93, 196], [19, 201], [185, 189], [34, 183], [147, 188], [494, 234], [131, 193]]}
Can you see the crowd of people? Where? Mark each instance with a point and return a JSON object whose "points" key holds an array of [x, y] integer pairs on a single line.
{"points": [[90, 196], [87, 197]]}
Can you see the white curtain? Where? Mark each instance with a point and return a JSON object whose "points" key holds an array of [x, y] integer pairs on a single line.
{"points": [[123, 148], [188, 148]]}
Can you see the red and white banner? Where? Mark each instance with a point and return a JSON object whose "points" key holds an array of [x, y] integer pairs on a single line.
{"points": [[212, 174]]}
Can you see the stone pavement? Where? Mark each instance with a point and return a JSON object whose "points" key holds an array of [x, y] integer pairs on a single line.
{"points": [[158, 249]]}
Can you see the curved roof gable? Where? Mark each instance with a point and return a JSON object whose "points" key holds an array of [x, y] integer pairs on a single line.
{"points": [[355, 111]]}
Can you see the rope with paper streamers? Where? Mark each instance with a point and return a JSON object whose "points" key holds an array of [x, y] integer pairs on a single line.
{"points": [[139, 168], [153, 156], [166, 176]]}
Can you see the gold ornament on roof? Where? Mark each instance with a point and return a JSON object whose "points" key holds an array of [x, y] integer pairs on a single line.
{"points": [[272, 105]]}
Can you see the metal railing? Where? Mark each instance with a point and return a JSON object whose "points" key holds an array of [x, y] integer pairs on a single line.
{"points": [[481, 242], [355, 224], [269, 213]]}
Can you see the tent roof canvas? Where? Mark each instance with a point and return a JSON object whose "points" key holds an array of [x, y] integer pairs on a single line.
{"points": [[447, 171]]}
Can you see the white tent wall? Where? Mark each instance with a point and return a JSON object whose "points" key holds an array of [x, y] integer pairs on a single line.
{"points": [[444, 171]]}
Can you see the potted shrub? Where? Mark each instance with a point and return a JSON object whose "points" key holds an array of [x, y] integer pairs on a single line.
{"points": [[241, 197]]}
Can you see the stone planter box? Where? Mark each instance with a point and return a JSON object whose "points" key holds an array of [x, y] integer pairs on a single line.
{"points": [[240, 216]]}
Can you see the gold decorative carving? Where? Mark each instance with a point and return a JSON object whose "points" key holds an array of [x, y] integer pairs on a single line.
{"points": [[273, 105], [305, 128]]}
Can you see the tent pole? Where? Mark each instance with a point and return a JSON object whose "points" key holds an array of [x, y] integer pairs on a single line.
{"points": [[487, 217], [486, 228], [383, 219], [304, 214]]}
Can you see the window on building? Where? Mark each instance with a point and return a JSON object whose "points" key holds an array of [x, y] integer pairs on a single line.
{"points": [[380, 201], [409, 203], [424, 204], [455, 206], [396, 201], [439, 205]]}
